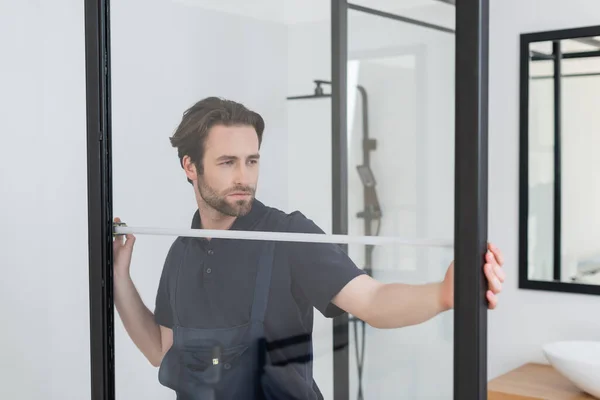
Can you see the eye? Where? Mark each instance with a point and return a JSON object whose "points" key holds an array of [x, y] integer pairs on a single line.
{"points": [[227, 163]]}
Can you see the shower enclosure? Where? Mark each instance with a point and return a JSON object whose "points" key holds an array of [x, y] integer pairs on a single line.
{"points": [[394, 137]]}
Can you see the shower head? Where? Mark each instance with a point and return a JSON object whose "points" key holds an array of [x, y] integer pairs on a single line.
{"points": [[309, 96], [318, 92]]}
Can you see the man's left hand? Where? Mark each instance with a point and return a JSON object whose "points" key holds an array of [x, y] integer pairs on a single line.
{"points": [[494, 261]]}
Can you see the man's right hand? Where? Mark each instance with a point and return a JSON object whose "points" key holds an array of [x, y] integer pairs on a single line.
{"points": [[137, 319], [122, 250]]}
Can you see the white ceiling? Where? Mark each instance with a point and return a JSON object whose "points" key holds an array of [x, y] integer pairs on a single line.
{"points": [[299, 11]]}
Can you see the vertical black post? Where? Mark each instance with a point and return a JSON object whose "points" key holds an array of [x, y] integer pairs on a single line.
{"points": [[557, 52], [99, 197], [526, 55], [369, 195], [339, 169], [471, 207]]}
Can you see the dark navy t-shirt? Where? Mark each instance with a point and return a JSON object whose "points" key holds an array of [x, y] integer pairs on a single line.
{"points": [[216, 280]]}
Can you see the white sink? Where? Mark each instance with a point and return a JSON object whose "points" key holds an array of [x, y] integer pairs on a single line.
{"points": [[578, 361]]}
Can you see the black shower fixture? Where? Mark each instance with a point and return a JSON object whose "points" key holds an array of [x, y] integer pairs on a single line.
{"points": [[318, 91]]}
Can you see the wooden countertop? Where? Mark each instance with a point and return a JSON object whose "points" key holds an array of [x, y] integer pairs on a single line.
{"points": [[534, 382]]}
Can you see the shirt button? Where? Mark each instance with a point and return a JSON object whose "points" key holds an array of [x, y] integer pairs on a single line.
{"points": [[208, 270]]}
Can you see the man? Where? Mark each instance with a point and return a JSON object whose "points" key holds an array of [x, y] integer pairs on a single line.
{"points": [[233, 318]]}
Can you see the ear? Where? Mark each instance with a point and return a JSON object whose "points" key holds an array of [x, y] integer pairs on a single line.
{"points": [[190, 168]]}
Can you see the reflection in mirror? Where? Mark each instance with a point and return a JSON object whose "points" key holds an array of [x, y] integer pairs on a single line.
{"points": [[563, 213]]}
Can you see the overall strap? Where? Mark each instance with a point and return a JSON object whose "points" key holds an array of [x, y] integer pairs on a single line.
{"points": [[263, 282], [175, 266]]}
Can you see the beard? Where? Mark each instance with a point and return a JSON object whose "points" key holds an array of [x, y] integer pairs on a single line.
{"points": [[218, 201]]}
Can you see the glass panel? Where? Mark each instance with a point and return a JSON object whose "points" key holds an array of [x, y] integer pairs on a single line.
{"points": [[541, 170], [404, 142], [308, 109], [166, 56], [438, 12], [580, 189]]}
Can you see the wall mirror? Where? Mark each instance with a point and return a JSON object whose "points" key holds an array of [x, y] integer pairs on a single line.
{"points": [[560, 161]]}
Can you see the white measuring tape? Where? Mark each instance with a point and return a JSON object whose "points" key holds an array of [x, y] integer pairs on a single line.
{"points": [[121, 229]]}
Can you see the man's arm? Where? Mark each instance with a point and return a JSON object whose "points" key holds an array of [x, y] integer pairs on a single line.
{"points": [[396, 305], [392, 305], [152, 339]]}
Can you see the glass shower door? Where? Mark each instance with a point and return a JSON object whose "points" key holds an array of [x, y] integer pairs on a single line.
{"points": [[394, 118], [400, 78]]}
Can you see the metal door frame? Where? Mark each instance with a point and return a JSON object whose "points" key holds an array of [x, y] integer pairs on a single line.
{"points": [[471, 201]]}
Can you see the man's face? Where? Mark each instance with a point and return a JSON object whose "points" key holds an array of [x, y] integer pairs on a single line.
{"points": [[228, 182]]}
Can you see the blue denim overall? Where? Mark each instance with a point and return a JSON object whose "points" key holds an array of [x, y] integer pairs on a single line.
{"points": [[224, 363]]}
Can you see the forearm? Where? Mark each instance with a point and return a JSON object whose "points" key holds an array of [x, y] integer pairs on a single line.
{"points": [[397, 305], [137, 319]]}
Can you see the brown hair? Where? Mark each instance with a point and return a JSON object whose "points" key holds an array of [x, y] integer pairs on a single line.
{"points": [[190, 136]]}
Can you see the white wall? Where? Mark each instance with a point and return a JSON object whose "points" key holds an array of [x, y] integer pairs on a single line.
{"points": [[525, 319], [23, 177], [43, 172]]}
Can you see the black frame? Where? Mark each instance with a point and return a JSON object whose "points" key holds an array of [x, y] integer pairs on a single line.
{"points": [[339, 182], [525, 57], [557, 58], [470, 316], [99, 182], [471, 199]]}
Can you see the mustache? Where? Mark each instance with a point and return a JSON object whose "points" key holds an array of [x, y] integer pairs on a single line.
{"points": [[241, 189]]}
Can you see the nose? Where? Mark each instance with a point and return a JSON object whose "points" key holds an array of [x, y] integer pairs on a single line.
{"points": [[242, 175]]}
